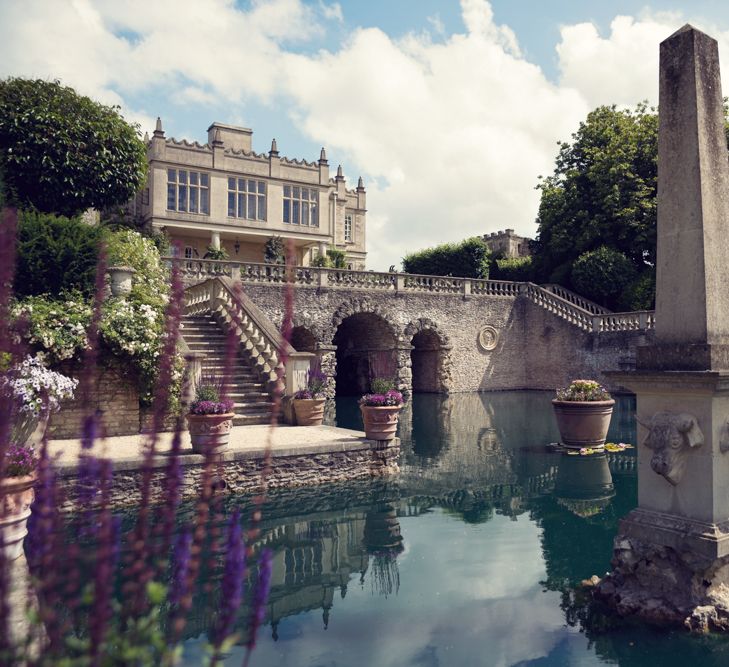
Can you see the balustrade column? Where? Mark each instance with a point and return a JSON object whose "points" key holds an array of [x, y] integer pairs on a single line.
{"points": [[399, 282], [466, 290]]}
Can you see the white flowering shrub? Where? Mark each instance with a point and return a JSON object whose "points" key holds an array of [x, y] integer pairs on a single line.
{"points": [[33, 387], [131, 327]]}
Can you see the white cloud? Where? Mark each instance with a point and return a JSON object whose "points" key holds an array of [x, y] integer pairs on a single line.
{"points": [[450, 135]]}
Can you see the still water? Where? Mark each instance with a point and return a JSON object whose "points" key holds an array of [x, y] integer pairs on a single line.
{"points": [[470, 557]]}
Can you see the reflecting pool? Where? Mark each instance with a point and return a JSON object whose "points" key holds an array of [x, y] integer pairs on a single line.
{"points": [[472, 556]]}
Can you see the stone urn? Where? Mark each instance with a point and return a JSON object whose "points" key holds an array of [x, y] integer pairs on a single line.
{"points": [[30, 429], [120, 279], [380, 421], [309, 411], [209, 431], [16, 497], [583, 423]]}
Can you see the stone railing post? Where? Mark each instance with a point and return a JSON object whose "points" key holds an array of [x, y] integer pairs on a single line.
{"points": [[596, 319], [399, 282], [297, 367], [466, 289], [321, 275], [642, 321], [235, 272]]}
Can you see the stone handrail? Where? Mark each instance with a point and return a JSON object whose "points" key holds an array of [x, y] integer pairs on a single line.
{"points": [[556, 304], [256, 333], [572, 297], [641, 320]]}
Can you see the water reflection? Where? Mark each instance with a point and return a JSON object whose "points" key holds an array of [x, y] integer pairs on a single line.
{"points": [[584, 484]]}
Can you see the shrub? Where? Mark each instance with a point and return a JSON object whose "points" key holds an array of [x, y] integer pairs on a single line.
{"points": [[381, 385], [640, 294], [334, 259], [64, 153], [467, 259], [55, 255], [513, 268], [602, 275], [274, 251]]}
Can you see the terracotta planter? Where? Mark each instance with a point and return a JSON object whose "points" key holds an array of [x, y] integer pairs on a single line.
{"points": [[380, 422], [16, 497], [309, 411], [583, 423], [208, 431]]}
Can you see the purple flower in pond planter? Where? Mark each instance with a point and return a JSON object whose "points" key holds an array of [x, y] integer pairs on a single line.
{"points": [[20, 460], [232, 584], [392, 398]]}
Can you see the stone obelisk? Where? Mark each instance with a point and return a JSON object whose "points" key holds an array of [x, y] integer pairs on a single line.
{"points": [[671, 558]]}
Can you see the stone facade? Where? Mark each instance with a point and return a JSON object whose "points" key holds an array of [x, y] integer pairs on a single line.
{"points": [[240, 472], [115, 394], [241, 217]]}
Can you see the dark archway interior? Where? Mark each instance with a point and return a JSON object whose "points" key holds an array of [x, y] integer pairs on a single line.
{"points": [[365, 350], [302, 340], [427, 359]]}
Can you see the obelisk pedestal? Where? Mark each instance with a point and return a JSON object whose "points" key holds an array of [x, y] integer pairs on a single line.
{"points": [[671, 557]]}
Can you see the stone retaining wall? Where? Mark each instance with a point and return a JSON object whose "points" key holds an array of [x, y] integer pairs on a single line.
{"points": [[240, 472]]}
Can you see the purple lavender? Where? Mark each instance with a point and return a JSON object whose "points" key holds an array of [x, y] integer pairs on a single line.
{"points": [[180, 568], [231, 585], [260, 595], [211, 407], [391, 398]]}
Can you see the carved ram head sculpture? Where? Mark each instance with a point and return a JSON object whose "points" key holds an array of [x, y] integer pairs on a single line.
{"points": [[671, 435]]}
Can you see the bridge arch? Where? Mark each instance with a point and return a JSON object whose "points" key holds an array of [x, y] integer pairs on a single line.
{"points": [[430, 356], [367, 345]]}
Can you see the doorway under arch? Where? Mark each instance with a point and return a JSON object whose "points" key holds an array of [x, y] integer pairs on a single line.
{"points": [[366, 349]]}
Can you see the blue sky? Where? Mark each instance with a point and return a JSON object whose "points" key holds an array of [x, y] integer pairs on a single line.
{"points": [[449, 110]]}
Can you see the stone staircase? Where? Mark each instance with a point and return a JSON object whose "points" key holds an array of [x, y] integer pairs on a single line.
{"points": [[252, 401]]}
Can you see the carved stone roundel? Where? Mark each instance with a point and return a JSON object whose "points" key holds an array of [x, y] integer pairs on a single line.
{"points": [[487, 338]]}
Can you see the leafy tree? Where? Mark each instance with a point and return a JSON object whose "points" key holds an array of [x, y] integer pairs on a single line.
{"points": [[274, 251], [55, 255], [512, 268], [602, 193], [467, 259], [62, 152], [602, 275]]}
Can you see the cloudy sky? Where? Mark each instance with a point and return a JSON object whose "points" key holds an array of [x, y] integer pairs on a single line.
{"points": [[449, 110]]}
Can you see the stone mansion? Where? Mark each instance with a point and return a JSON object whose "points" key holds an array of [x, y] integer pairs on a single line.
{"points": [[225, 195]]}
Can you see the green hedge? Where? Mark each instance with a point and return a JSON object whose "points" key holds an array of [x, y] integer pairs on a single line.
{"points": [[55, 255], [513, 268], [467, 259]]}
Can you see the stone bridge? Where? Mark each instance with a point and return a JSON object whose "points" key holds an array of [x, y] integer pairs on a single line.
{"points": [[431, 333]]}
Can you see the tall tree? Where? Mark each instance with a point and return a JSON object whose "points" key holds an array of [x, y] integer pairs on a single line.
{"points": [[63, 153], [602, 194]]}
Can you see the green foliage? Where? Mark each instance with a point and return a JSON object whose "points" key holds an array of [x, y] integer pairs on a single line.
{"points": [[131, 327], [207, 392], [513, 268], [602, 275], [467, 259], [215, 253], [55, 254], [381, 385], [602, 193], [274, 252], [640, 293], [334, 259], [338, 258], [64, 153]]}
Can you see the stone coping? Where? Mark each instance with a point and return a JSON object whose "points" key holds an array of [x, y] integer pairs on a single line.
{"points": [[246, 443]]}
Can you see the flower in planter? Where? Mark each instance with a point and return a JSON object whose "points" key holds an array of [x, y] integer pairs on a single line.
{"points": [[20, 460], [583, 390], [391, 398], [208, 402], [317, 383]]}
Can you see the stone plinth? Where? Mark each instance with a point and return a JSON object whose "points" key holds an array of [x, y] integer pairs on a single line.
{"points": [[671, 556]]}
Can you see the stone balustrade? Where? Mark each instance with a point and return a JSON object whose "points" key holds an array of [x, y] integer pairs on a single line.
{"points": [[581, 312]]}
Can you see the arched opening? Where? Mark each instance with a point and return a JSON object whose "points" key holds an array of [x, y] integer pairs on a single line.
{"points": [[302, 340], [427, 360], [365, 350]]}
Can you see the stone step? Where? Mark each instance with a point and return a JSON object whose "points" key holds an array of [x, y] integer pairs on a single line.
{"points": [[249, 420]]}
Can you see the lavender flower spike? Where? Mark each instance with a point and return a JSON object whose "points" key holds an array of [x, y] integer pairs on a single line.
{"points": [[232, 583], [180, 568], [260, 595]]}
